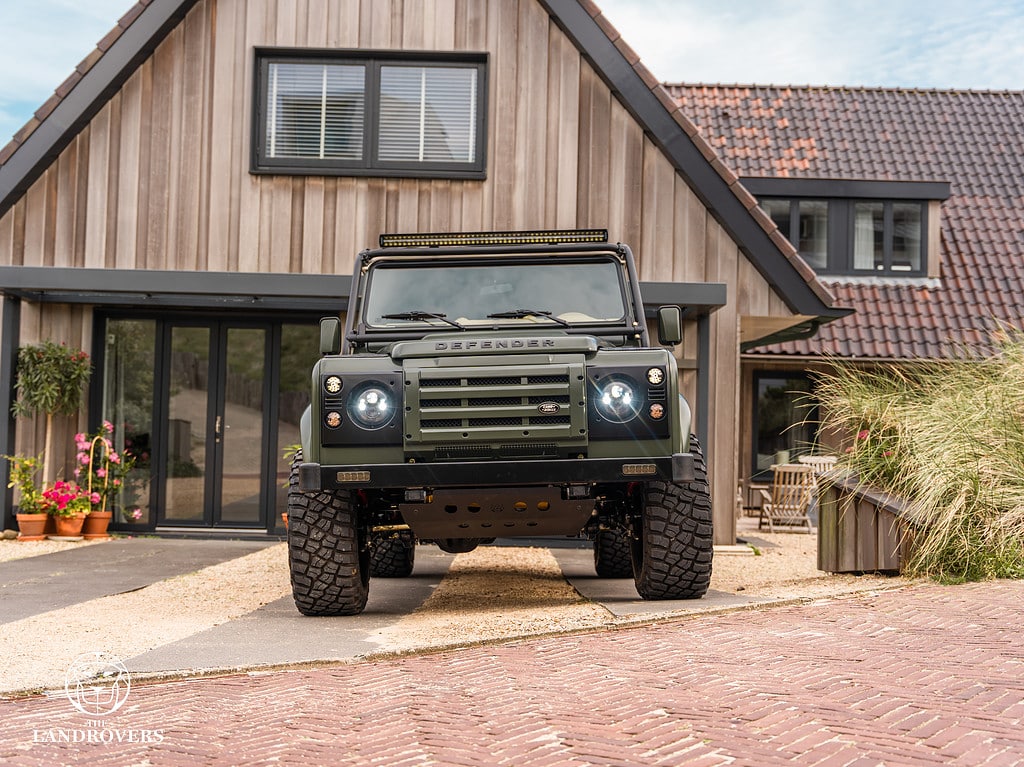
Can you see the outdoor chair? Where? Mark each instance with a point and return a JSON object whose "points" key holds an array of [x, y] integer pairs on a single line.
{"points": [[791, 497], [820, 463]]}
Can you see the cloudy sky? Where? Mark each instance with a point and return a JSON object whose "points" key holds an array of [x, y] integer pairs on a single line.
{"points": [[898, 43]]}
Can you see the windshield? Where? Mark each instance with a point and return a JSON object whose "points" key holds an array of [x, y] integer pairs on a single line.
{"points": [[556, 294]]}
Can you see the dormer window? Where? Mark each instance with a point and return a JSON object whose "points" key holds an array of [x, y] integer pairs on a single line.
{"points": [[855, 228], [860, 237]]}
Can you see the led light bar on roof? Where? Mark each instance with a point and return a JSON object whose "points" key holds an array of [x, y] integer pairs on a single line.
{"points": [[548, 237]]}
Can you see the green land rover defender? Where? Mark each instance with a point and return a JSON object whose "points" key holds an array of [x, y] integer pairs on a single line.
{"points": [[493, 385]]}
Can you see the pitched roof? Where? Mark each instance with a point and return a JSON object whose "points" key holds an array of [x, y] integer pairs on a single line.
{"points": [[138, 33], [95, 80], [971, 139]]}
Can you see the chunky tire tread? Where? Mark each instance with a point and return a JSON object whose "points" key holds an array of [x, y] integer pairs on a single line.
{"points": [[612, 555], [327, 556], [673, 546], [392, 555]]}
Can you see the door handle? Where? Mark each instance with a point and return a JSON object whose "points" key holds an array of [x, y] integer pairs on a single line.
{"points": [[216, 429]]}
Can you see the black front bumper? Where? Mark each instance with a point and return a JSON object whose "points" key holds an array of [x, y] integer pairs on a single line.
{"points": [[673, 468]]}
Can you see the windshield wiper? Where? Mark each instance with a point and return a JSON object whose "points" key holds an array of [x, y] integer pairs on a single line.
{"points": [[418, 315], [519, 314]]}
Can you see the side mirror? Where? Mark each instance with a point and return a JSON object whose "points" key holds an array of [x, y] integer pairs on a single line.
{"points": [[330, 336], [670, 326]]}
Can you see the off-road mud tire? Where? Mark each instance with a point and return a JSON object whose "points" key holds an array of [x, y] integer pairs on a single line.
{"points": [[392, 555], [673, 544], [328, 557], [612, 556]]}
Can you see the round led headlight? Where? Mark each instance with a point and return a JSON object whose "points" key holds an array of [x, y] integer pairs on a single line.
{"points": [[371, 406], [617, 400]]}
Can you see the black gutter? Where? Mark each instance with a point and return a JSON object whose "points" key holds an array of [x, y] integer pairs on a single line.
{"points": [[800, 332], [42, 147], [761, 186], [713, 191]]}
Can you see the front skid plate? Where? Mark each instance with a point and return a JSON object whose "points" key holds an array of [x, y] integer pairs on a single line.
{"points": [[497, 512]]}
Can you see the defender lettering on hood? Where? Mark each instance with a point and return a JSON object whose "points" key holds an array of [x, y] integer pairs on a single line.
{"points": [[495, 343]]}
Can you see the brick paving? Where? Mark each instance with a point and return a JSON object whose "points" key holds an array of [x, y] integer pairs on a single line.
{"points": [[920, 676]]}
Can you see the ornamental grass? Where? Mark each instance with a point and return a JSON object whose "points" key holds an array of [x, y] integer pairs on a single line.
{"points": [[948, 437]]}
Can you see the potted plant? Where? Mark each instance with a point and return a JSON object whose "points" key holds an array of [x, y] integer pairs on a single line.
{"points": [[68, 504], [31, 515], [103, 471], [50, 379]]}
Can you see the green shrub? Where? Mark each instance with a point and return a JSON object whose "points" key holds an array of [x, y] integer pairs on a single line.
{"points": [[948, 436]]}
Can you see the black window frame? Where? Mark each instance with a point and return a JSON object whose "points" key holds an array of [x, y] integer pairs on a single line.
{"points": [[842, 232], [368, 165], [811, 418]]}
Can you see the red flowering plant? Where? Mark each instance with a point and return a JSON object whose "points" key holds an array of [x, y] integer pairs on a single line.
{"points": [[875, 457], [101, 468], [66, 499]]}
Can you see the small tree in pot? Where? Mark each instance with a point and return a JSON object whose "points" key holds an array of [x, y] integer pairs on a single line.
{"points": [[50, 379]]}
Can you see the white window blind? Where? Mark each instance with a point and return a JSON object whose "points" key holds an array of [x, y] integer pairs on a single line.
{"points": [[427, 114], [316, 111]]}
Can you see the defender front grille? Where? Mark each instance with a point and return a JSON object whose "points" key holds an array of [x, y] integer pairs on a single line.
{"points": [[527, 411]]}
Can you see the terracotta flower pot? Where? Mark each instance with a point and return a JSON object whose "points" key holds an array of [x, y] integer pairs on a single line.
{"points": [[96, 523], [31, 527], [69, 527]]}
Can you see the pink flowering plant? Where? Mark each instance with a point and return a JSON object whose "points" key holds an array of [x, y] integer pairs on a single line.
{"points": [[102, 469]]}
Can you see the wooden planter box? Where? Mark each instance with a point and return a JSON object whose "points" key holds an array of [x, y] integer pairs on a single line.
{"points": [[861, 530]]}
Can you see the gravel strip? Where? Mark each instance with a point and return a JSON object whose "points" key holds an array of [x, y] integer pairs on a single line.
{"points": [[38, 650], [15, 549], [492, 593]]}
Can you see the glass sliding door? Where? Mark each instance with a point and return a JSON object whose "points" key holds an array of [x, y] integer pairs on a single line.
{"points": [[239, 427], [187, 435], [207, 407], [214, 438], [129, 351]]}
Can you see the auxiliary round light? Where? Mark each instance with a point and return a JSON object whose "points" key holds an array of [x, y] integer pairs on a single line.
{"points": [[370, 406], [655, 376], [332, 384]]}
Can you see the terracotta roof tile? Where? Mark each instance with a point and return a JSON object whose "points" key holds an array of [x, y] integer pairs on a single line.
{"points": [[607, 27], [44, 111], [971, 139], [133, 13], [109, 39], [628, 53], [65, 87], [89, 61]]}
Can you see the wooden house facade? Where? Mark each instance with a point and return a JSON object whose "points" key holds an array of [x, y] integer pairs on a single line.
{"points": [[139, 222]]}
